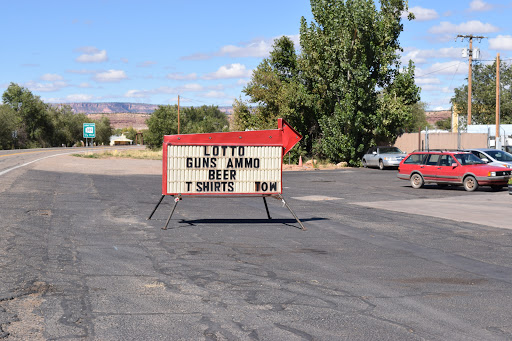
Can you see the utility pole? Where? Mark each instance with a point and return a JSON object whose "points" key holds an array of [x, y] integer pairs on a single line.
{"points": [[178, 114], [498, 102], [470, 52]]}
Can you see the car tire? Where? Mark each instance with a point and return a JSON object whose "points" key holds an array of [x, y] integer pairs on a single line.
{"points": [[417, 181], [381, 165], [365, 165], [470, 183]]}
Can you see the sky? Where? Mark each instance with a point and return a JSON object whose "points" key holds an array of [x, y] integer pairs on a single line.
{"points": [[204, 51]]}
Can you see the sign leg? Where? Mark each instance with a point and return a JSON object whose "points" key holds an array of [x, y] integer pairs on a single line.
{"points": [[291, 211], [159, 202], [266, 207], [178, 198]]}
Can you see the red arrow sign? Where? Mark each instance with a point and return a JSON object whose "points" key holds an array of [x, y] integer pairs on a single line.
{"points": [[284, 136], [245, 162]]}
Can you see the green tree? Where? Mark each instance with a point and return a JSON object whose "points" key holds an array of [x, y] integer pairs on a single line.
{"points": [[350, 64], [103, 131], [34, 115], [204, 119], [9, 122], [483, 103], [163, 121]]}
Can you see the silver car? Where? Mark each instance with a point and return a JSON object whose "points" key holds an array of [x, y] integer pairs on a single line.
{"points": [[382, 157], [493, 157]]}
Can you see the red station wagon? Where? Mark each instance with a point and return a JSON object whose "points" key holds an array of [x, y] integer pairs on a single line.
{"points": [[451, 168]]}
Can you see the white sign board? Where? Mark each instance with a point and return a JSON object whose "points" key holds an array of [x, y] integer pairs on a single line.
{"points": [[224, 169]]}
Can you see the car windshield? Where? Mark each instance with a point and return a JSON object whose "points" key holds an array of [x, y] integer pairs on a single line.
{"points": [[468, 159], [500, 155], [390, 150]]}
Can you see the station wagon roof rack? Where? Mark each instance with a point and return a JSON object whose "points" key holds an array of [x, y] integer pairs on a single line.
{"points": [[439, 150]]}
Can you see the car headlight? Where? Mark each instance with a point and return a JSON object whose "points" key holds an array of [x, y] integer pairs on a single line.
{"points": [[491, 174]]}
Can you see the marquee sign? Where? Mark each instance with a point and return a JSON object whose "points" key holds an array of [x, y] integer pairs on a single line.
{"points": [[233, 163]]}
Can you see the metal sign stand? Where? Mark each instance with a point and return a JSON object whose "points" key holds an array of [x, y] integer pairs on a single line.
{"points": [[179, 197]]}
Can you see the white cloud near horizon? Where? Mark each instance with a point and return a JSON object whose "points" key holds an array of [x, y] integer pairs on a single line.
{"points": [[421, 14], [479, 6], [180, 76], [91, 54], [229, 71], [110, 76], [501, 42], [419, 56], [46, 87], [257, 48], [51, 77], [472, 26]]}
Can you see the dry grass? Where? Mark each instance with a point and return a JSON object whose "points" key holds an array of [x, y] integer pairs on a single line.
{"points": [[123, 154]]}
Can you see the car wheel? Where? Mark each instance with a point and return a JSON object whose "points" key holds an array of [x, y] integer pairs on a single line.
{"points": [[470, 183], [417, 181], [381, 165], [365, 165]]}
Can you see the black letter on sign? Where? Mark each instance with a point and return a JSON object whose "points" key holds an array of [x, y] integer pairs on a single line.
{"points": [[206, 151], [189, 162], [241, 151]]}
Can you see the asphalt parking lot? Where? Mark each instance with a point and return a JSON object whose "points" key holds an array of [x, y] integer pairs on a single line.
{"points": [[79, 260]]}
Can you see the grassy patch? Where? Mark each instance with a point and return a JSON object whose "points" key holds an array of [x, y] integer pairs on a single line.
{"points": [[123, 154]]}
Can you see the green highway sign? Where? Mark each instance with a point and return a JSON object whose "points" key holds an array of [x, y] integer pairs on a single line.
{"points": [[89, 130]]}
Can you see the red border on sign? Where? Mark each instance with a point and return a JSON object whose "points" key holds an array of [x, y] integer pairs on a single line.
{"points": [[285, 136]]}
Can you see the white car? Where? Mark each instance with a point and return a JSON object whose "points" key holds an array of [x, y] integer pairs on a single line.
{"points": [[382, 157], [493, 157]]}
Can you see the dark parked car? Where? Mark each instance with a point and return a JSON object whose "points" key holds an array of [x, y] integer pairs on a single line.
{"points": [[382, 157]]}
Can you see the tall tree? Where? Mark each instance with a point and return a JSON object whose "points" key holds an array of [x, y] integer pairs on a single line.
{"points": [[350, 64], [33, 112], [8, 124], [483, 103]]}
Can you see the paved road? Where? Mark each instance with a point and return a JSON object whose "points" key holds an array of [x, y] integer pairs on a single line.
{"points": [[79, 260]]}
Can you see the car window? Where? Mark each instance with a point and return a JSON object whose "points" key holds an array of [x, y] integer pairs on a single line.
{"points": [[446, 160], [468, 159], [500, 155], [432, 159], [414, 159], [370, 150], [390, 150]]}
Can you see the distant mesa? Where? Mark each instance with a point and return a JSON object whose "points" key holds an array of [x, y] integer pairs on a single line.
{"points": [[112, 108], [122, 115], [121, 107]]}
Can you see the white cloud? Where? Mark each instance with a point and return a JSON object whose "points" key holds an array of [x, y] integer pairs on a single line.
{"points": [[501, 42], [479, 6], [419, 56], [84, 85], [180, 76], [79, 98], [215, 94], [136, 94], [110, 76], [147, 63], [259, 48], [51, 77], [422, 14], [191, 87], [425, 81], [82, 72], [473, 26], [46, 87], [229, 71], [446, 68], [91, 55]]}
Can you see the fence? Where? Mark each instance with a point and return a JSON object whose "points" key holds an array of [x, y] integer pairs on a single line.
{"points": [[416, 141]]}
